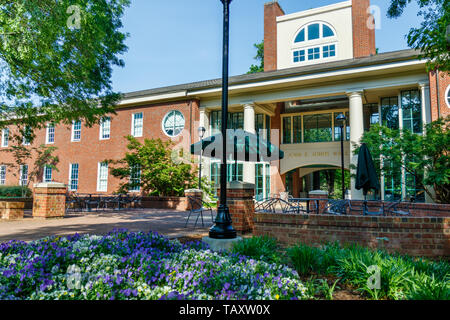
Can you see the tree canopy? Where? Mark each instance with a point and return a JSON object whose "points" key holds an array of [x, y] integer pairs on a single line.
{"points": [[431, 37], [56, 60], [259, 57]]}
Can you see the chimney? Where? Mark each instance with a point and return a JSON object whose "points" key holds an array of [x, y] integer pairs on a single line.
{"points": [[272, 10], [363, 34]]}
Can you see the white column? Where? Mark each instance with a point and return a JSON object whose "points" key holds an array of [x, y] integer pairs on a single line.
{"points": [[356, 133], [249, 126], [204, 122]]}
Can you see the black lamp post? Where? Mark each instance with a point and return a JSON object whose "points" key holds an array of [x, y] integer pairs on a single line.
{"points": [[201, 134], [223, 228], [341, 118]]}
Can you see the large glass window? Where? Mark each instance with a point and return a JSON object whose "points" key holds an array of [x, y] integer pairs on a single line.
{"points": [[215, 177], [287, 130], [105, 128], [389, 112], [5, 137], [267, 180], [235, 121], [102, 180], [135, 178], [76, 131], [313, 31], [73, 178], [231, 173], [412, 111], [259, 181], [27, 136], [337, 127], [371, 115], [297, 129], [137, 128], [173, 123], [317, 128], [393, 183], [2, 175], [48, 174], [23, 175], [50, 133], [290, 182]]}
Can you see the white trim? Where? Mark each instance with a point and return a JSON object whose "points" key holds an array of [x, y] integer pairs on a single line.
{"points": [[47, 133], [178, 94], [72, 139], [133, 125], [44, 180], [3, 145], [2, 180], [315, 11], [99, 167], [164, 120], [102, 122], [447, 93], [70, 176]]}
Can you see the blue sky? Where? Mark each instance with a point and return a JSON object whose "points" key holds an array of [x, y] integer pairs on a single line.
{"points": [[179, 41]]}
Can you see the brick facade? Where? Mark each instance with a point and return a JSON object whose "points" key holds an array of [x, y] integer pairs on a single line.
{"points": [[416, 236], [443, 82], [11, 210], [363, 36], [272, 10], [91, 150]]}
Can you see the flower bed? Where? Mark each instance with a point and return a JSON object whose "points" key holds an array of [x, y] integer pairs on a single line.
{"points": [[124, 265]]}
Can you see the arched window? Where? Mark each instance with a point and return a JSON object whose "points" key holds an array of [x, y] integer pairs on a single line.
{"points": [[173, 123], [306, 51], [447, 96]]}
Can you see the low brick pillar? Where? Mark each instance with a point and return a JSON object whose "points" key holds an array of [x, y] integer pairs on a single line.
{"points": [[12, 210], [319, 194], [194, 193], [49, 200], [242, 207]]}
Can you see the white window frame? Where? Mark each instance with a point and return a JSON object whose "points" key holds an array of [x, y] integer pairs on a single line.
{"points": [[71, 167], [102, 178], [447, 92], [23, 179], [2, 175], [5, 137], [165, 118], [44, 178], [134, 127], [105, 129], [47, 133], [138, 188], [25, 142], [73, 131]]}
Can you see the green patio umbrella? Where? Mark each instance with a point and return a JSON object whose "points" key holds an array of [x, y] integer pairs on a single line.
{"points": [[242, 146], [366, 175]]}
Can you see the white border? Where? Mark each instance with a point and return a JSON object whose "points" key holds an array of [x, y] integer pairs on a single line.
{"points": [[132, 125], [102, 122], [73, 131], [3, 138], [98, 176], [164, 120], [47, 135]]}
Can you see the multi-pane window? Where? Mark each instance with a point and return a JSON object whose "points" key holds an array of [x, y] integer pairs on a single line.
{"points": [[102, 180], [23, 175], [73, 177], [412, 111], [314, 53], [76, 131], [235, 121], [235, 173], [137, 127], [297, 129], [50, 134], [290, 181], [392, 182], [329, 51], [105, 128], [287, 130], [299, 56], [173, 123], [2, 175], [389, 112], [346, 127], [317, 128], [5, 137], [47, 174], [262, 181], [26, 136], [135, 178]]}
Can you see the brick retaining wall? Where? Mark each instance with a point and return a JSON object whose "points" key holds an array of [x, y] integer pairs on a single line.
{"points": [[416, 236], [175, 203]]}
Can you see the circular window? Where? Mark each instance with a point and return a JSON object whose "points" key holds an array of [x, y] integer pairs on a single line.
{"points": [[173, 123], [447, 96]]}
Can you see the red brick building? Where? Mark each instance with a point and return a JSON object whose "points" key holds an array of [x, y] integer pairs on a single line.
{"points": [[318, 63]]}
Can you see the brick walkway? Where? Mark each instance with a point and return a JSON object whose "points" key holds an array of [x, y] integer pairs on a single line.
{"points": [[166, 222]]}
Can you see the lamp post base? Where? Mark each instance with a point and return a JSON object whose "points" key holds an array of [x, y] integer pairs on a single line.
{"points": [[223, 228]]}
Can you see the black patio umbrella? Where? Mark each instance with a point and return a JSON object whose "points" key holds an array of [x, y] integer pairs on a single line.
{"points": [[242, 146], [366, 175]]}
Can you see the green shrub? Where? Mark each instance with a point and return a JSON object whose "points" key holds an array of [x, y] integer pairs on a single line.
{"points": [[14, 192], [305, 259], [262, 248], [429, 288]]}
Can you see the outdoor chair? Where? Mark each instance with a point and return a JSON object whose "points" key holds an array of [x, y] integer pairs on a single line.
{"points": [[73, 202], [107, 201], [197, 206], [136, 201], [336, 207], [92, 202], [394, 210]]}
